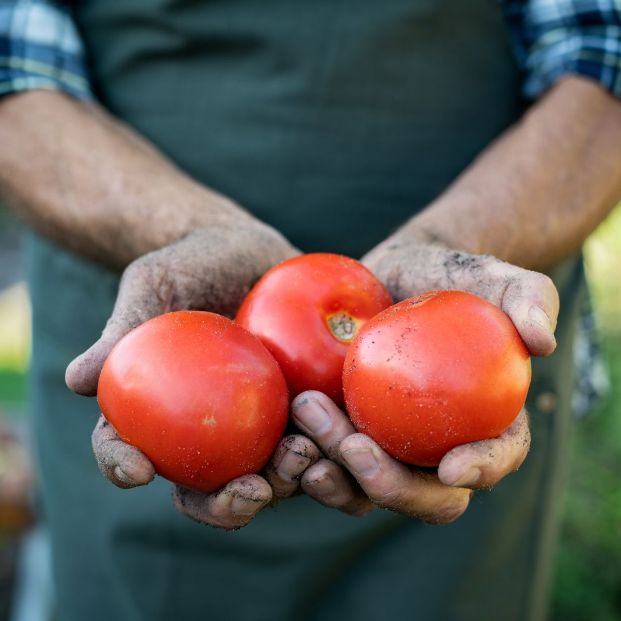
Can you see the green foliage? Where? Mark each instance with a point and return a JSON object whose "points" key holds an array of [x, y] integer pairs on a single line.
{"points": [[588, 572], [587, 583], [12, 392]]}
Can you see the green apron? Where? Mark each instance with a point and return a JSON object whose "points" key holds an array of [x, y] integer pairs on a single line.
{"points": [[334, 120]]}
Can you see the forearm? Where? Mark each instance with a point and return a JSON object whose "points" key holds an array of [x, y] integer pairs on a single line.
{"points": [[534, 195], [91, 184]]}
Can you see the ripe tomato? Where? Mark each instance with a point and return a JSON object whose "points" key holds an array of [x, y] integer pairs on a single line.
{"points": [[306, 311], [433, 372], [198, 395]]}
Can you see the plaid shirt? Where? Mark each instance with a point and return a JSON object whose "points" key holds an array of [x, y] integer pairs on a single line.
{"points": [[553, 38], [40, 47]]}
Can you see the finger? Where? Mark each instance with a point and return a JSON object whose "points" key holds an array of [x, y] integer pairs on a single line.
{"points": [[319, 418], [330, 485], [292, 457], [136, 303], [483, 464], [391, 484], [532, 302], [123, 464], [232, 507]]}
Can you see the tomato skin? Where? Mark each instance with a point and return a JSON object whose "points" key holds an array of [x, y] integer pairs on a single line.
{"points": [[433, 372], [198, 395], [289, 308]]}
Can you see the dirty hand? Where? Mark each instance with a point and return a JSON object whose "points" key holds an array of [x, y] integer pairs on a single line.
{"points": [[355, 474], [210, 269]]}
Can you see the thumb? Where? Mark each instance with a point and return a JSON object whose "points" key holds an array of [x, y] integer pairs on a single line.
{"points": [[82, 374], [137, 301]]}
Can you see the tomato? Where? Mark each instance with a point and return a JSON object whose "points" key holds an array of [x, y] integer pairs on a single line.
{"points": [[200, 396], [433, 372], [306, 311]]}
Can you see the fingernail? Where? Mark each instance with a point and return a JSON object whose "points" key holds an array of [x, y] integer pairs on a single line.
{"points": [[122, 476], [311, 416], [540, 317], [470, 477], [245, 506], [361, 461], [292, 465]]}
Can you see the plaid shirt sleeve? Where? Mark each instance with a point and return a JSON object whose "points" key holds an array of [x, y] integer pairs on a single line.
{"points": [[553, 38], [40, 48]]}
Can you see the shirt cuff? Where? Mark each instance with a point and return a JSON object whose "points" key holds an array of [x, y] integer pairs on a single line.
{"points": [[40, 48], [594, 53]]}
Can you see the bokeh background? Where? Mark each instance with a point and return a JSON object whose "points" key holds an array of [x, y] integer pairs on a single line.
{"points": [[587, 578]]}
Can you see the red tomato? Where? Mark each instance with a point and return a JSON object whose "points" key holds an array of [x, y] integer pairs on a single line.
{"points": [[306, 311], [198, 395], [433, 372]]}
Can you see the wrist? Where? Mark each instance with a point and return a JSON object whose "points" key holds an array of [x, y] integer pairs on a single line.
{"points": [[261, 246]]}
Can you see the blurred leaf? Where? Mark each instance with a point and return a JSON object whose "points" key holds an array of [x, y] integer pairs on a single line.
{"points": [[14, 329]]}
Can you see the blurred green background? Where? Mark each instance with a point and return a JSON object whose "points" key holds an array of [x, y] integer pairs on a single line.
{"points": [[587, 580], [587, 585]]}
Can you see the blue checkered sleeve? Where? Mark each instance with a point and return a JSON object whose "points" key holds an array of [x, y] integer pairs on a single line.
{"points": [[40, 48], [554, 38]]}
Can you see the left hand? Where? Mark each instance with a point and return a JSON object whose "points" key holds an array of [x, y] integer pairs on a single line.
{"points": [[356, 475], [210, 269]]}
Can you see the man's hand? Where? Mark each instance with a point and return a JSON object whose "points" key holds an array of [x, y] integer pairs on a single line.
{"points": [[530, 198], [210, 269], [408, 264], [355, 475], [95, 186]]}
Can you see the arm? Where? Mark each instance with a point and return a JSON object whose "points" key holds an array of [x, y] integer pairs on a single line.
{"points": [[549, 180], [88, 182], [75, 173], [91, 184]]}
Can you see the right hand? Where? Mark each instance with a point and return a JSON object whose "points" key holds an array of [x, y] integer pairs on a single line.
{"points": [[210, 269]]}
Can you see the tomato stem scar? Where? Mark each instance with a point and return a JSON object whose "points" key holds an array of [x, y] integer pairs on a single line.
{"points": [[343, 326]]}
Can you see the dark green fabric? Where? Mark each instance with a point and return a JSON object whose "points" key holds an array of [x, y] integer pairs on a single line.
{"points": [[335, 121]]}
